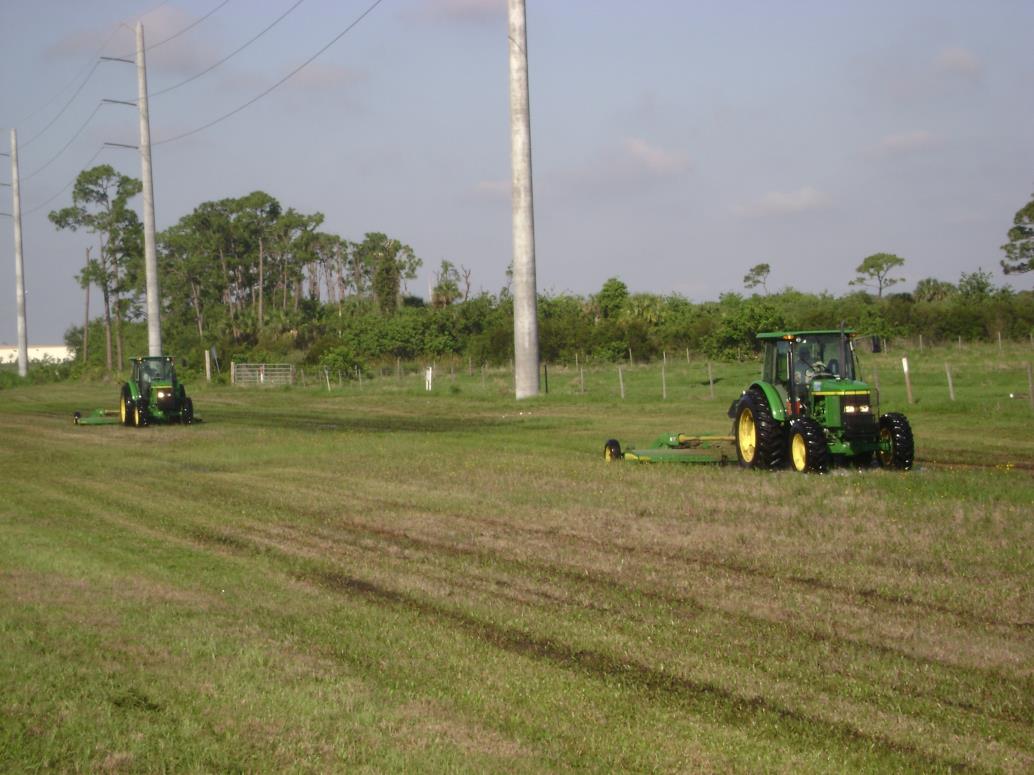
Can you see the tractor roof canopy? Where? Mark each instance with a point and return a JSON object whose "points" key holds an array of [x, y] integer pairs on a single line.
{"points": [[154, 368], [810, 332]]}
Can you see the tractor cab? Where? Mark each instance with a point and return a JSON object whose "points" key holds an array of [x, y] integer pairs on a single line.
{"points": [[155, 370], [797, 361]]}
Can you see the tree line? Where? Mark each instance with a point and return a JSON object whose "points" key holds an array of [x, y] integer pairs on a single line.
{"points": [[257, 281]]}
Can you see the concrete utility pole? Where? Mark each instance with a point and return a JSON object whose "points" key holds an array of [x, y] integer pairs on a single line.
{"points": [[525, 304], [19, 263], [154, 324]]}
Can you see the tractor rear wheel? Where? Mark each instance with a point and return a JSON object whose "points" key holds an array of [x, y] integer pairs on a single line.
{"points": [[612, 451], [759, 437], [897, 433], [187, 416], [808, 449]]}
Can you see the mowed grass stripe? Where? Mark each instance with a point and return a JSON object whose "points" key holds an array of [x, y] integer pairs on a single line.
{"points": [[514, 601], [233, 542]]}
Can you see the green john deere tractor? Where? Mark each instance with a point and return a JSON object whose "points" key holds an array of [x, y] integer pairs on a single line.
{"points": [[810, 407], [153, 394]]}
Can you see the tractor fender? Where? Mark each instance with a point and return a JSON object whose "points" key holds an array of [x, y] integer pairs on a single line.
{"points": [[134, 390], [775, 401]]}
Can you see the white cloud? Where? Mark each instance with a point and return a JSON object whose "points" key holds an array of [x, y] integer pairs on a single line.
{"points": [[653, 159], [776, 203], [493, 189], [905, 142], [478, 11], [958, 62]]}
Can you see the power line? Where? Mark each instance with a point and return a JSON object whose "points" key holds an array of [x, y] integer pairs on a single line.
{"points": [[97, 63], [181, 32], [64, 148], [230, 55], [291, 74], [67, 186], [90, 67]]}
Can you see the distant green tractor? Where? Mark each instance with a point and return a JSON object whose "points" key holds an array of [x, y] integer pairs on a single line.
{"points": [[809, 408], [153, 394]]}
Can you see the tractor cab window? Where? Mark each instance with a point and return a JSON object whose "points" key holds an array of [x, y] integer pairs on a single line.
{"points": [[775, 366], [819, 356]]}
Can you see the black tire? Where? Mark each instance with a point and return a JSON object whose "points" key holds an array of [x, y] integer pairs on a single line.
{"points": [[612, 451], [75, 417], [759, 437], [807, 449], [894, 428], [125, 406], [187, 415]]}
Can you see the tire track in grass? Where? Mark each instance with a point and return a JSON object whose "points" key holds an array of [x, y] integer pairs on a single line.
{"points": [[604, 584], [726, 705]]}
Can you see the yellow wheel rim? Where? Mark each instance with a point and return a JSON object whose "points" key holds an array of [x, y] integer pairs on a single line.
{"points": [[136, 416], [747, 436], [799, 452], [608, 454], [122, 410]]}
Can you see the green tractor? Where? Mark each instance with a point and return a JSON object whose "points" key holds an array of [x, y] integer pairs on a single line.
{"points": [[810, 407], [153, 394]]}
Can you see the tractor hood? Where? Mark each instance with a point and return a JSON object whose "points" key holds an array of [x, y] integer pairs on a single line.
{"points": [[832, 386]]}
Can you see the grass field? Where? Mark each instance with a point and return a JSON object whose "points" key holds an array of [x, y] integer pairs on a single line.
{"points": [[382, 580]]}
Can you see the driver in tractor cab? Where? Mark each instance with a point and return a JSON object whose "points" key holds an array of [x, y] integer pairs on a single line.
{"points": [[147, 373], [804, 369]]}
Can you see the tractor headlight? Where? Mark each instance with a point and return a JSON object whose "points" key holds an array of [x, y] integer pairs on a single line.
{"points": [[864, 408], [849, 409], [161, 394]]}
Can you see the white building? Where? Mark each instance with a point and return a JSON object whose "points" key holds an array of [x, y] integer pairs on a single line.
{"points": [[39, 352]]}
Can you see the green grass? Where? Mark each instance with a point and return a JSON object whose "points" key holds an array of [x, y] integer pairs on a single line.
{"points": [[377, 579]]}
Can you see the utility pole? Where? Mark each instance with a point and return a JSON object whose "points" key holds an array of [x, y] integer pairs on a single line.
{"points": [[154, 324], [525, 305], [19, 263]]}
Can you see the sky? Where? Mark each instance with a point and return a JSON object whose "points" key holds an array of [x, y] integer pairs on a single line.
{"points": [[675, 144]]}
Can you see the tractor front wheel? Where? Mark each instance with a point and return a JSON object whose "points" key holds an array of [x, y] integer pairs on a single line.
{"points": [[612, 451], [808, 449], [896, 437], [125, 406], [139, 415], [187, 416], [759, 437]]}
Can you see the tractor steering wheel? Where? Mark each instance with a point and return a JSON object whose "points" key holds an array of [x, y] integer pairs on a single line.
{"points": [[821, 370]]}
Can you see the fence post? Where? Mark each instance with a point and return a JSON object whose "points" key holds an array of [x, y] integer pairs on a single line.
{"points": [[687, 356], [1030, 386], [581, 378], [545, 377], [908, 381], [951, 385], [710, 380], [398, 368], [631, 363], [920, 343], [960, 344], [233, 372], [326, 374], [621, 382], [664, 381], [208, 366]]}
